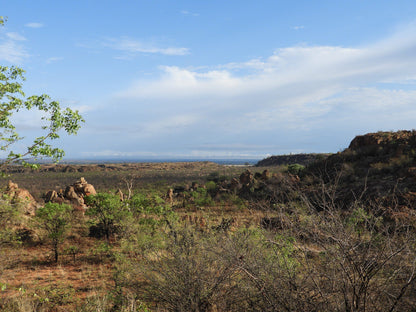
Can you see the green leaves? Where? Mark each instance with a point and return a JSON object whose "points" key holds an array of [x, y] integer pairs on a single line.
{"points": [[53, 119], [108, 211], [54, 219]]}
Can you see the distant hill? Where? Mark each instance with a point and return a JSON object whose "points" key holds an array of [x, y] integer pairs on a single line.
{"points": [[383, 164], [302, 159]]}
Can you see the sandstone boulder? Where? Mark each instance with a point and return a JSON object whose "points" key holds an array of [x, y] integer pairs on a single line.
{"points": [[89, 190], [21, 196], [74, 194], [12, 186], [70, 193], [234, 184], [246, 178], [50, 196]]}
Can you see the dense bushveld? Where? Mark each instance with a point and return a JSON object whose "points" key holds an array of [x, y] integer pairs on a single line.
{"points": [[275, 242]]}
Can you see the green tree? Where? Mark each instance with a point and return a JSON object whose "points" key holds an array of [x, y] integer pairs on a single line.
{"points": [[108, 211], [54, 219], [295, 168], [53, 120]]}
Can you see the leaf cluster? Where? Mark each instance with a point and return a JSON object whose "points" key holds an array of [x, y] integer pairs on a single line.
{"points": [[53, 119], [108, 211]]}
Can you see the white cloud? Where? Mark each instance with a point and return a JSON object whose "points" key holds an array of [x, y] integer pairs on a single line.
{"points": [[11, 48], [34, 25], [12, 52], [132, 47], [297, 93], [299, 27], [292, 71], [185, 12], [15, 36], [54, 59], [182, 83], [82, 108]]}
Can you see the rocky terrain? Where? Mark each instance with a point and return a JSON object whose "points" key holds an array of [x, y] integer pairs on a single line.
{"points": [[382, 165]]}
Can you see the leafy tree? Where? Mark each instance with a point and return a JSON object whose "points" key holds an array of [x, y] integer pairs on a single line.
{"points": [[54, 219], [108, 211], [54, 118]]}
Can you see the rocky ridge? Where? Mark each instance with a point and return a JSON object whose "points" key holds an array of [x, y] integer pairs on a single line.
{"points": [[381, 164], [301, 159]]}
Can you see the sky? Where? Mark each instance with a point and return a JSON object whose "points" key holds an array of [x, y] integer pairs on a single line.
{"points": [[215, 79]]}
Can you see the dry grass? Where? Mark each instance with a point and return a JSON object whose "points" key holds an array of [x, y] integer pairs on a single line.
{"points": [[145, 176], [28, 271]]}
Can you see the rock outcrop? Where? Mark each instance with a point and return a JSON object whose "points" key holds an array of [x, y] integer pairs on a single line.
{"points": [[380, 165], [74, 194], [21, 196], [246, 178], [302, 159]]}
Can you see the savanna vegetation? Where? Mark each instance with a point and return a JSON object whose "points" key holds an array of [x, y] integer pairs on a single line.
{"points": [[221, 239], [334, 233]]}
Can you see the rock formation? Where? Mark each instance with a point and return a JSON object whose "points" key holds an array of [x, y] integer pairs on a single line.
{"points": [[22, 196], [246, 178], [74, 194]]}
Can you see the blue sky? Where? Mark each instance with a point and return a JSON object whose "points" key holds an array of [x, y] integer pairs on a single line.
{"points": [[216, 78]]}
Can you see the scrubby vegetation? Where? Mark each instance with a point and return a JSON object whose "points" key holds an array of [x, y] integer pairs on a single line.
{"points": [[290, 238]]}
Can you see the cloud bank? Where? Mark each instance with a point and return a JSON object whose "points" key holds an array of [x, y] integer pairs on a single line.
{"points": [[279, 102], [299, 99]]}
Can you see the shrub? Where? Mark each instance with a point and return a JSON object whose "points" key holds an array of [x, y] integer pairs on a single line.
{"points": [[151, 204], [211, 186], [295, 169], [108, 211], [187, 275], [201, 197]]}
